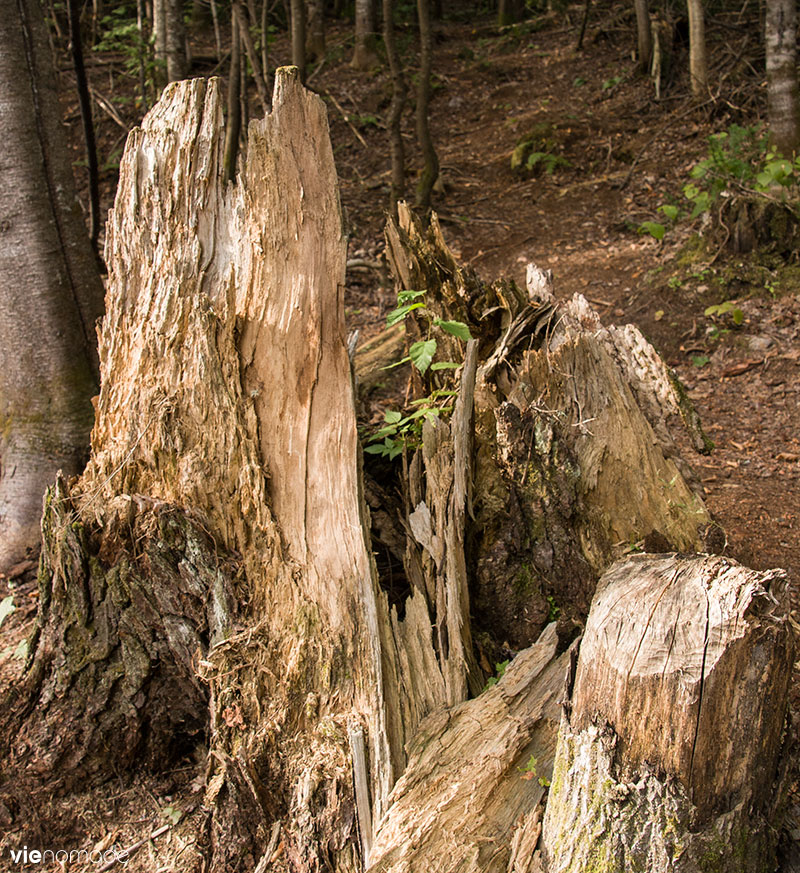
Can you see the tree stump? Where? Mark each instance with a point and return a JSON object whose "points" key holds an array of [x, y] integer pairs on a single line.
{"points": [[211, 577], [669, 754]]}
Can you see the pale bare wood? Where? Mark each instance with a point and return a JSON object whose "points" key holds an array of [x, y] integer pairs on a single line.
{"points": [[669, 752], [466, 801]]}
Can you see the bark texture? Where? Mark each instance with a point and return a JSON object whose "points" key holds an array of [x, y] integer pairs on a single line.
{"points": [[698, 62], [364, 56], [782, 95], [50, 289], [668, 756]]}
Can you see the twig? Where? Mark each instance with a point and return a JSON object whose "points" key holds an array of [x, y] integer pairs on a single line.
{"points": [[135, 847], [344, 115], [108, 107]]}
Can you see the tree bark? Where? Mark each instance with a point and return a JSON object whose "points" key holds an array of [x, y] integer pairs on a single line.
{"points": [[782, 99], [315, 44], [430, 166], [50, 290], [669, 753], [644, 41], [299, 37], [364, 56], [170, 40], [698, 64], [399, 93]]}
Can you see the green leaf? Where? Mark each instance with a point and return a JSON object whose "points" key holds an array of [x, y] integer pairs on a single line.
{"points": [[655, 229], [456, 328], [700, 360], [6, 607], [421, 354], [445, 365], [738, 316], [375, 449], [671, 212], [400, 313], [392, 416], [405, 296]]}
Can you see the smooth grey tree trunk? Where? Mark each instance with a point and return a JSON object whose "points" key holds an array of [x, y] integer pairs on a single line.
{"points": [[364, 57], [50, 289], [698, 63], [782, 102]]}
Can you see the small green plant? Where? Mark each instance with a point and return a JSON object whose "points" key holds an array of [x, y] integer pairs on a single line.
{"points": [[554, 609], [611, 83], [500, 669], [700, 360], [400, 431], [728, 307], [529, 772], [539, 149]]}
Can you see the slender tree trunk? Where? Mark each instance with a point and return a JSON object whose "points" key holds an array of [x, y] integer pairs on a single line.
{"points": [[85, 102], [247, 40], [141, 53], [399, 92], [50, 290], [698, 64], [644, 39], [430, 167], [782, 91], [234, 119], [299, 37], [364, 57], [170, 39], [315, 44], [508, 11]]}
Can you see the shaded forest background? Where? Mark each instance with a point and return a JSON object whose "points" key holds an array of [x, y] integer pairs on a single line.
{"points": [[573, 158]]}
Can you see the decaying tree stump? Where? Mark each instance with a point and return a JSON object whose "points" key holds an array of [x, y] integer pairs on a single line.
{"points": [[574, 461], [669, 753], [211, 574]]}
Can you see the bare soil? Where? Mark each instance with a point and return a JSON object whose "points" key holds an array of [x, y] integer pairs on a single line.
{"points": [[621, 155]]}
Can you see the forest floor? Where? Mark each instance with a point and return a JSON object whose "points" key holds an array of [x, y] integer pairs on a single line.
{"points": [[618, 154]]}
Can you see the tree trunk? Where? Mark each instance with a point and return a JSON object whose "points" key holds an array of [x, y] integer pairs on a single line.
{"points": [[315, 44], [782, 105], [50, 290], [399, 94], [299, 37], [170, 40], [430, 166], [669, 753], [233, 124], [644, 41], [364, 56], [221, 527], [698, 65]]}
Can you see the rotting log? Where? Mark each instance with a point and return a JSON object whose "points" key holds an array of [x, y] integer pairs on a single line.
{"points": [[669, 753]]}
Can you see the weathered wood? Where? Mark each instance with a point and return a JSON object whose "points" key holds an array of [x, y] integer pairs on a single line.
{"points": [[471, 798], [668, 755], [574, 459]]}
